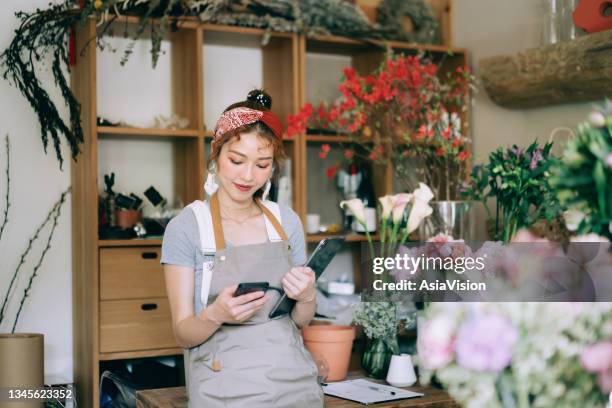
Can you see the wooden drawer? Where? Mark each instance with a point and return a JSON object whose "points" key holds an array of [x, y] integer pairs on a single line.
{"points": [[131, 273], [128, 325]]}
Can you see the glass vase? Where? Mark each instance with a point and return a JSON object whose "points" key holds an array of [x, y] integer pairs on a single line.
{"points": [[454, 218], [377, 356]]}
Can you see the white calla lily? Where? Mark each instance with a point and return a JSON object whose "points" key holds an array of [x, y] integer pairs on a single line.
{"points": [[355, 206], [420, 207], [387, 202], [400, 202]]}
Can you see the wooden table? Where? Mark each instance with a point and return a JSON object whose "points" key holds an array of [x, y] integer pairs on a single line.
{"points": [[176, 398]]}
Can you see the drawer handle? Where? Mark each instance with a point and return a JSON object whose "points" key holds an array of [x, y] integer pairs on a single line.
{"points": [[149, 255], [148, 306]]}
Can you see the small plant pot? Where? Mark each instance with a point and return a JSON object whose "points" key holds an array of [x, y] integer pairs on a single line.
{"points": [[126, 219], [334, 344]]}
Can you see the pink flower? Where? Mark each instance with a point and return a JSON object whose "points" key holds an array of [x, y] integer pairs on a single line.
{"points": [[436, 342], [597, 358]]}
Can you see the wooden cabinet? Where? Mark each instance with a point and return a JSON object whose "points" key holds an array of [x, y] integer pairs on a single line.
{"points": [[120, 305]]}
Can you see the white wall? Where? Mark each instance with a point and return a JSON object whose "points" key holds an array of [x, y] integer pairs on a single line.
{"points": [[493, 27], [36, 183]]}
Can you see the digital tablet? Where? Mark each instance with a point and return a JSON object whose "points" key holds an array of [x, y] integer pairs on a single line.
{"points": [[318, 261]]}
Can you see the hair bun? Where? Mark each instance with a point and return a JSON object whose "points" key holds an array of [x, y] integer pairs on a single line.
{"points": [[260, 97]]}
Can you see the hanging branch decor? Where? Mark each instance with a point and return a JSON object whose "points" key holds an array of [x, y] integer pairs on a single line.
{"points": [[52, 217], [43, 36]]}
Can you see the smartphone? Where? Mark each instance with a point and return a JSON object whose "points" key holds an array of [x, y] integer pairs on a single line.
{"points": [[249, 287], [318, 261]]}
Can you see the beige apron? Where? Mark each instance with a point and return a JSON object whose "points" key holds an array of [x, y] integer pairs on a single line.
{"points": [[262, 362]]}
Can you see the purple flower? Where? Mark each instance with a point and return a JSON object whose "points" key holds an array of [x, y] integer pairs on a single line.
{"points": [[485, 342], [518, 151], [536, 157]]}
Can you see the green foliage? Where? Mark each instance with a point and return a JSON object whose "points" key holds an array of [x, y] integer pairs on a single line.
{"points": [[518, 179], [583, 177]]}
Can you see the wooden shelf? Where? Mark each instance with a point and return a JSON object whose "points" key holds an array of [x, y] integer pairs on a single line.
{"points": [[114, 243], [221, 28], [397, 45], [285, 73], [141, 354], [145, 132]]}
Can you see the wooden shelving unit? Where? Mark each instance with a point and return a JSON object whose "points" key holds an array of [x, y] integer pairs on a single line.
{"points": [[110, 313]]}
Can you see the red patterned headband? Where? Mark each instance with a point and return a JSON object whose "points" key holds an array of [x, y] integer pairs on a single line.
{"points": [[238, 117]]}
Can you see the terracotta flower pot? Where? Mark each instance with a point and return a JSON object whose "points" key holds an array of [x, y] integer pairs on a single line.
{"points": [[127, 218], [334, 344]]}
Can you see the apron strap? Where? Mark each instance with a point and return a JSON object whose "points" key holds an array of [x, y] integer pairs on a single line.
{"points": [[216, 217], [273, 220]]}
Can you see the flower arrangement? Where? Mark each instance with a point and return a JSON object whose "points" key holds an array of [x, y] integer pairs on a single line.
{"points": [[379, 319], [391, 215], [505, 355], [518, 179], [403, 111], [582, 179]]}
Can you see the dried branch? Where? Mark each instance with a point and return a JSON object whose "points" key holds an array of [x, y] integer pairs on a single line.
{"points": [[56, 212], [8, 185]]}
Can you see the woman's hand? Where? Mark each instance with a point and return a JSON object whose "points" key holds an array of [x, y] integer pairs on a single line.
{"points": [[299, 284], [229, 309]]}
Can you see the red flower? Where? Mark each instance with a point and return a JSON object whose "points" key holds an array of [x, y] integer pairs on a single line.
{"points": [[446, 133], [440, 152], [348, 154], [463, 155], [331, 171], [456, 142], [322, 155], [373, 156], [325, 148]]}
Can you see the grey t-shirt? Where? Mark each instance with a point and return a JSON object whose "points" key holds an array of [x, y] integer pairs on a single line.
{"points": [[181, 245]]}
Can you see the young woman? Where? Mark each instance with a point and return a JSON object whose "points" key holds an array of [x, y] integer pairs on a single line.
{"points": [[238, 356]]}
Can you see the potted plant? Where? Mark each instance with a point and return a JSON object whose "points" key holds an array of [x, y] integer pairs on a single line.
{"points": [[518, 179]]}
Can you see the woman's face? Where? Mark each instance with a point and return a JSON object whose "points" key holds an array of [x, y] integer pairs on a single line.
{"points": [[244, 165]]}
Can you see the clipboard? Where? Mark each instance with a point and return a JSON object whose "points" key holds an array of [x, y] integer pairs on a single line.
{"points": [[367, 392], [318, 261]]}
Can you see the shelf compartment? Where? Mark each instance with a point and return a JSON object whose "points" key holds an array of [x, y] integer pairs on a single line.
{"points": [[225, 54]]}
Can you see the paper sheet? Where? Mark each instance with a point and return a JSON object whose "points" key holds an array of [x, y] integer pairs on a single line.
{"points": [[367, 392]]}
